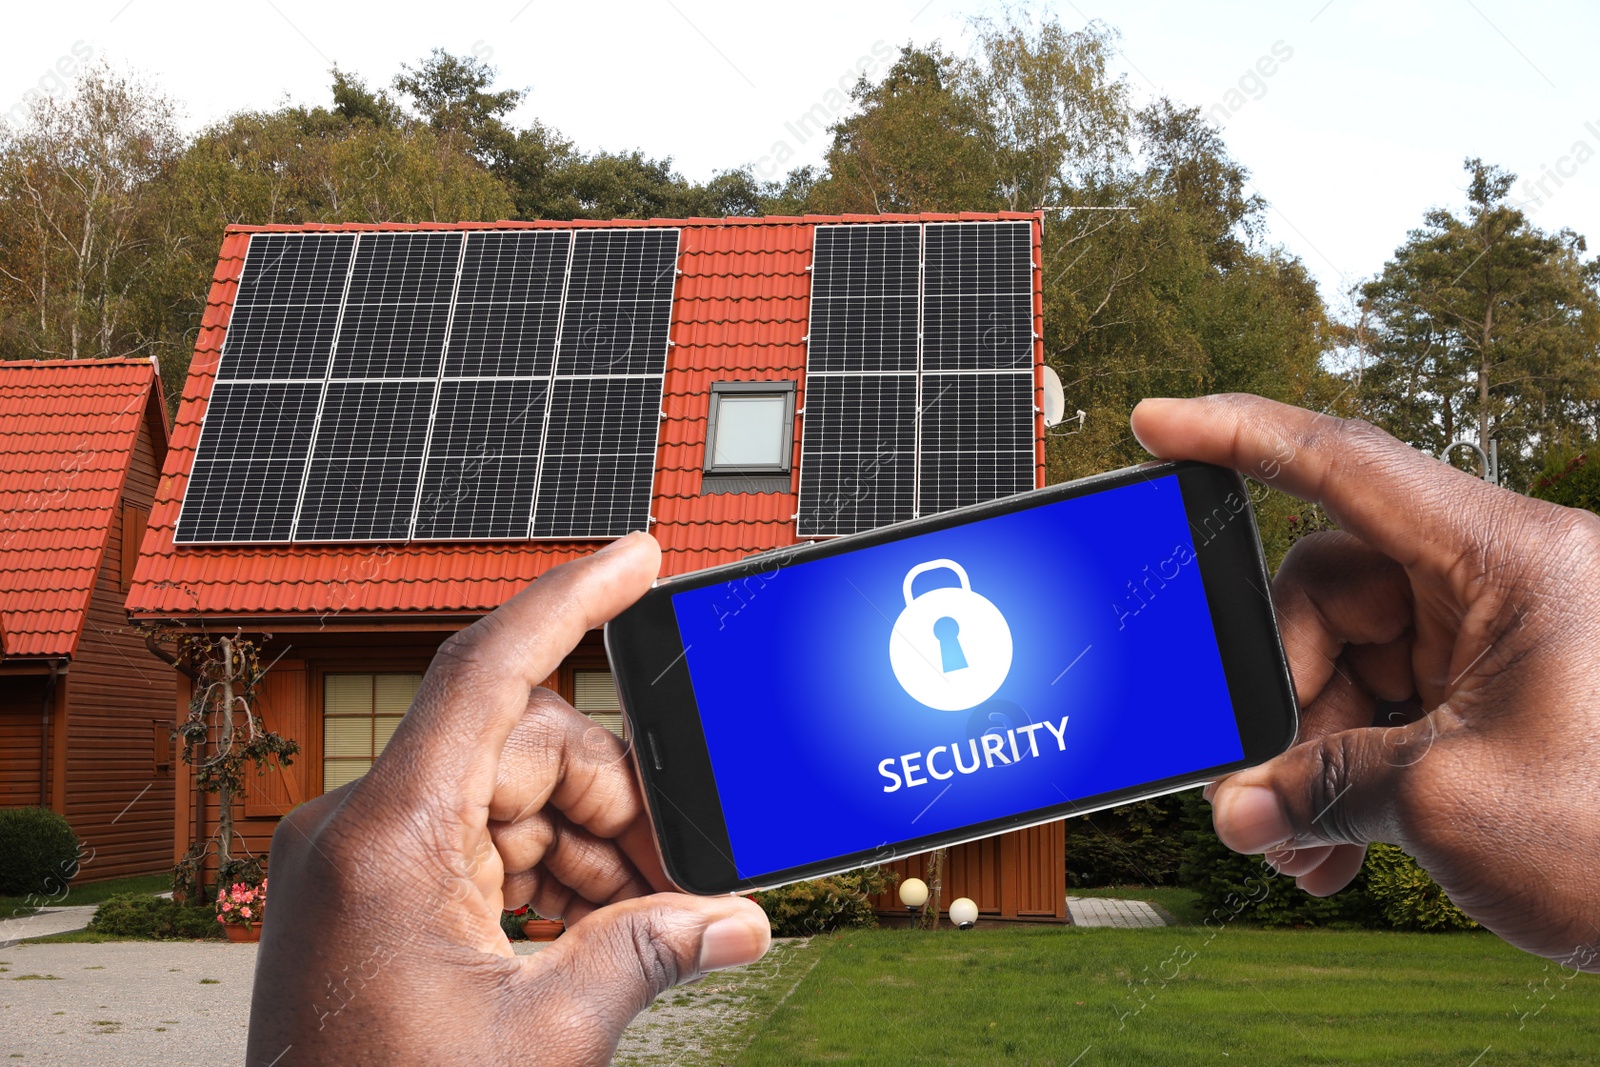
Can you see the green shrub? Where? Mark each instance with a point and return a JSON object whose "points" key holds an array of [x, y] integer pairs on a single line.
{"points": [[1406, 897], [1391, 892], [1232, 886], [1137, 844], [833, 903], [38, 852], [155, 918]]}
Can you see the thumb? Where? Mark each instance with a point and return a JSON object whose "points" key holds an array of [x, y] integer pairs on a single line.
{"points": [[614, 962], [1341, 789]]}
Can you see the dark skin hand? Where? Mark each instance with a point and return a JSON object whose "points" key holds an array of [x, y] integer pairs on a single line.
{"points": [[387, 893], [1473, 608]]}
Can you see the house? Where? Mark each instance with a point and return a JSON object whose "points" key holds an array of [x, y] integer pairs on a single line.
{"points": [[85, 709], [388, 431]]}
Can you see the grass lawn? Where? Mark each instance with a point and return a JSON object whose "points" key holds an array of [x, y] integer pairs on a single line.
{"points": [[90, 893], [1065, 996]]}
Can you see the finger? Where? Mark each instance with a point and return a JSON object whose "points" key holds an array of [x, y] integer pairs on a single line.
{"points": [[1342, 705], [1394, 497], [1297, 861], [1333, 591], [591, 866], [554, 898], [1338, 870], [620, 958], [446, 749], [1342, 788], [558, 756], [1384, 670]]}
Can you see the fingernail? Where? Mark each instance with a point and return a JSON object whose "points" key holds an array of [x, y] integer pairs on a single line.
{"points": [[1210, 791], [730, 943], [1249, 819]]}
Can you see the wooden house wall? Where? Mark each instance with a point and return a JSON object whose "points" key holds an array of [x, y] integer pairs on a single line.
{"points": [[118, 792], [22, 753], [1016, 875]]}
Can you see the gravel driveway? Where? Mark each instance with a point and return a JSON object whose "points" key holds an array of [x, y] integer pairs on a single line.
{"points": [[182, 1003], [138, 1003]]}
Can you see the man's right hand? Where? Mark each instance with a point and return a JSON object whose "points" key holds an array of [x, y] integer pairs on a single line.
{"points": [[1477, 607]]}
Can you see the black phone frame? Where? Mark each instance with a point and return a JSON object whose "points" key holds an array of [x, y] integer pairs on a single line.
{"points": [[669, 752]]}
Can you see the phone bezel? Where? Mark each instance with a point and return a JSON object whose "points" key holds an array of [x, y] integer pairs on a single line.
{"points": [[669, 751]]}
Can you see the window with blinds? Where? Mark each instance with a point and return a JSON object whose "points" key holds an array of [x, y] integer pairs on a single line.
{"points": [[595, 694], [359, 714]]}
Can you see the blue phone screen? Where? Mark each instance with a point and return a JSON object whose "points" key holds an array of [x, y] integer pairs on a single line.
{"points": [[957, 676]]}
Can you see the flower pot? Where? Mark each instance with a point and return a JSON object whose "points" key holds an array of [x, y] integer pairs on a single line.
{"points": [[243, 934], [543, 929]]}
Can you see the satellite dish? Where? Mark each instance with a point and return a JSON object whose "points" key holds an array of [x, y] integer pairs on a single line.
{"points": [[1055, 398]]}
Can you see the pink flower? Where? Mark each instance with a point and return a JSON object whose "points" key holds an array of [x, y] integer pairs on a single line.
{"points": [[221, 919], [226, 904], [245, 912]]}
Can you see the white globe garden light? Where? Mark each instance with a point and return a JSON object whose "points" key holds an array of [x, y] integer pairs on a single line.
{"points": [[963, 912], [913, 894]]}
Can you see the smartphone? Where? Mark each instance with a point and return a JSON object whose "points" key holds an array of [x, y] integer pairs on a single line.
{"points": [[847, 702]]}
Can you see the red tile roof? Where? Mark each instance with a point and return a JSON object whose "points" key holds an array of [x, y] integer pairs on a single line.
{"points": [[67, 434], [740, 312]]}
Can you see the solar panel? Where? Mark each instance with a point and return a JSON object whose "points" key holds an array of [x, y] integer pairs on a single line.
{"points": [[251, 458], [976, 426], [864, 286], [919, 371], [287, 306], [619, 302], [488, 426], [251, 461], [859, 443], [365, 463], [483, 459], [508, 304], [977, 305], [398, 305], [401, 384], [598, 465], [599, 457], [976, 440], [858, 440]]}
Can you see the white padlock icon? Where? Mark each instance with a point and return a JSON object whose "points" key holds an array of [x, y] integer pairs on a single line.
{"points": [[950, 648]]}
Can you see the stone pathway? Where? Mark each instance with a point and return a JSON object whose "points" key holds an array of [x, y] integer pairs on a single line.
{"points": [[45, 922], [1103, 911]]}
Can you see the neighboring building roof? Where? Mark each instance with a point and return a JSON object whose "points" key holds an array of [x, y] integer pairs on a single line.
{"points": [[67, 433], [740, 313]]}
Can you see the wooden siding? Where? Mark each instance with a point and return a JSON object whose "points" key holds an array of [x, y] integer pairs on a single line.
{"points": [[22, 740], [119, 701], [1016, 875]]}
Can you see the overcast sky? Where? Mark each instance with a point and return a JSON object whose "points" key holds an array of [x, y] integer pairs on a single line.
{"points": [[1351, 138]]}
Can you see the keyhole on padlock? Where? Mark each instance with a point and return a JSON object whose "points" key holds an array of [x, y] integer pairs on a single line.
{"points": [[950, 655]]}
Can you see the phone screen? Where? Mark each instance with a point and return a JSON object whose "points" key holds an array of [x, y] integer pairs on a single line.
{"points": [[1015, 663]]}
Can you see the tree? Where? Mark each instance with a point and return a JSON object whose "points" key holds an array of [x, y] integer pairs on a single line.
{"points": [[1157, 280], [222, 735], [1487, 327], [919, 142], [81, 218]]}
